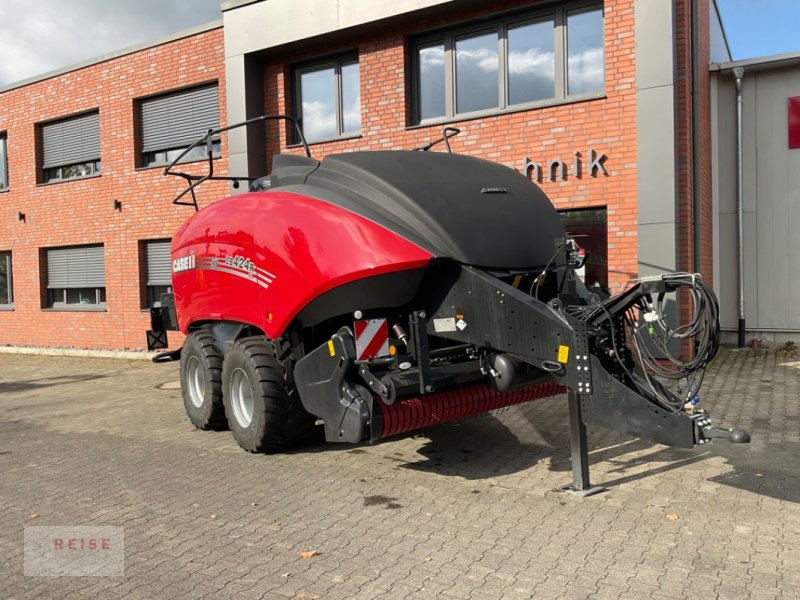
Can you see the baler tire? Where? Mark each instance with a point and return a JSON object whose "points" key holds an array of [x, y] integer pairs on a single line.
{"points": [[201, 381], [253, 377]]}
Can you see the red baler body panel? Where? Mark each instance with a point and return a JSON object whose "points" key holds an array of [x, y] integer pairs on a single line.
{"points": [[261, 257]]}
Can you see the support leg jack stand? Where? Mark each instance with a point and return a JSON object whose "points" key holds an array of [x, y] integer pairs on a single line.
{"points": [[580, 486]]}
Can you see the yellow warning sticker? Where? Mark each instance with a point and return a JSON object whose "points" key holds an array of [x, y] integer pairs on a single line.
{"points": [[517, 281], [563, 354], [332, 350]]}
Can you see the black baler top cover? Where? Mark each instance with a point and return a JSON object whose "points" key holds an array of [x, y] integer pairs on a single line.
{"points": [[472, 210]]}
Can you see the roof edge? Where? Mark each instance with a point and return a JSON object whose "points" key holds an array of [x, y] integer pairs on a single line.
{"points": [[112, 55], [762, 62], [231, 4]]}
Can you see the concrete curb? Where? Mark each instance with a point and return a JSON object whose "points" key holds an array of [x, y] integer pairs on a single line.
{"points": [[75, 352]]}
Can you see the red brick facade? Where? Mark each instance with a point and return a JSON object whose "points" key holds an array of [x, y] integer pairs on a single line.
{"points": [[685, 142], [82, 211], [608, 125]]}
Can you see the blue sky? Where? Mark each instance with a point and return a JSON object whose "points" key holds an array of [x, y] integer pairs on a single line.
{"points": [[761, 27], [42, 35]]}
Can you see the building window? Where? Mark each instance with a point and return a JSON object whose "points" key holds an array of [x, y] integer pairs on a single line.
{"points": [[509, 64], [158, 271], [172, 122], [328, 99], [70, 148], [6, 292], [76, 277], [3, 162], [585, 57]]}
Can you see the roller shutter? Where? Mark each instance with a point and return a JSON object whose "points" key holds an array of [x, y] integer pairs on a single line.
{"points": [[177, 120], [71, 141], [76, 267], [159, 266]]}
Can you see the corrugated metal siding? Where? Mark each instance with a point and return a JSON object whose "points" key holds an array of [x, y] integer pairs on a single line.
{"points": [[179, 119], [71, 141], [159, 265], [76, 267]]}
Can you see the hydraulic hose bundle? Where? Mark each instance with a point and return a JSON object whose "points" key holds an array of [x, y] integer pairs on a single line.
{"points": [[657, 343]]}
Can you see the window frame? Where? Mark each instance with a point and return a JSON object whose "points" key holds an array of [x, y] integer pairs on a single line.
{"points": [[153, 300], [336, 62], [55, 174], [4, 162], [51, 294], [6, 255], [98, 305], [160, 157], [500, 25]]}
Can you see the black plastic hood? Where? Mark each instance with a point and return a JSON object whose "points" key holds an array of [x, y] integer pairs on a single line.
{"points": [[472, 210]]}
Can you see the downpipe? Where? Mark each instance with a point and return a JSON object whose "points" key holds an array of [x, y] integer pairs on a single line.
{"points": [[738, 72], [697, 213]]}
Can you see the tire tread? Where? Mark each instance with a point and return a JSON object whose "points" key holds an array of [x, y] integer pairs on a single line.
{"points": [[284, 419], [214, 419]]}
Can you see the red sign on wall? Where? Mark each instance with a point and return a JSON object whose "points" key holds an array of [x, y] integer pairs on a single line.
{"points": [[794, 122]]}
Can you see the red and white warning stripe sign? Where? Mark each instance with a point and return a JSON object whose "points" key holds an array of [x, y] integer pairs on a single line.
{"points": [[372, 338]]}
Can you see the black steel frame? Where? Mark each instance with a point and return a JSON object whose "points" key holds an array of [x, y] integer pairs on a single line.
{"points": [[194, 180]]}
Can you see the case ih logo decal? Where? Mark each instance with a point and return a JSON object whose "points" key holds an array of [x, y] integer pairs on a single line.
{"points": [[239, 266], [184, 263]]}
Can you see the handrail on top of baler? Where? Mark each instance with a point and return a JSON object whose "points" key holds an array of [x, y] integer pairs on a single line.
{"points": [[208, 139]]}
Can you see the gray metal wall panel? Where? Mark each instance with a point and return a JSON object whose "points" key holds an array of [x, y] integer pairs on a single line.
{"points": [[178, 119], [71, 141], [774, 173], [247, 146], [656, 155], [751, 282], [656, 143], [292, 20], [76, 267], [724, 179], [159, 265], [725, 277], [654, 39], [771, 201], [771, 216]]}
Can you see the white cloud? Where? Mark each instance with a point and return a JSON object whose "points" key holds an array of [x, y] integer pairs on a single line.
{"points": [[531, 61], [352, 114], [586, 71], [431, 58], [319, 120], [49, 34], [485, 59]]}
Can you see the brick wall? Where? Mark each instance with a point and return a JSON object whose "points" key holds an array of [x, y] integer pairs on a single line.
{"points": [[608, 125], [78, 212], [685, 141], [81, 211], [685, 159]]}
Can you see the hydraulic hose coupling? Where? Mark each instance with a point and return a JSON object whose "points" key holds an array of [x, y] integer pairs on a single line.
{"points": [[401, 334]]}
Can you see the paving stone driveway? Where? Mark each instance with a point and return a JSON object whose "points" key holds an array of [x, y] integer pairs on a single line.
{"points": [[469, 510]]}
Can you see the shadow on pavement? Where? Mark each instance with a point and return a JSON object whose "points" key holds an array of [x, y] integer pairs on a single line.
{"points": [[773, 472], [44, 382], [477, 448], [495, 445]]}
